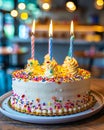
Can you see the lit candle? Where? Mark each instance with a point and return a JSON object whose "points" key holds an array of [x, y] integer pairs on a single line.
{"points": [[50, 40], [70, 53], [33, 40]]}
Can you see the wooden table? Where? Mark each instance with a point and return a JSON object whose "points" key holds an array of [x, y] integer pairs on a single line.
{"points": [[95, 122]]}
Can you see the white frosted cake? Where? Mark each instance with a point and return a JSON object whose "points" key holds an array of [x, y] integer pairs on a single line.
{"points": [[51, 89]]}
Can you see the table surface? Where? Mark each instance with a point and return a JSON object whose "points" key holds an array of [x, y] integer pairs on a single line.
{"points": [[96, 122]]}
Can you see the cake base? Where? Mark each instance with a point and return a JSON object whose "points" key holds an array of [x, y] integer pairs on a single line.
{"points": [[63, 112], [9, 112]]}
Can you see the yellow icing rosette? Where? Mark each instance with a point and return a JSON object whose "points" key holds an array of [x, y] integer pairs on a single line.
{"points": [[59, 71], [33, 67], [70, 65]]}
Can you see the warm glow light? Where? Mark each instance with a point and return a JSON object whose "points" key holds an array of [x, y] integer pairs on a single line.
{"points": [[46, 6], [98, 7], [33, 27], [71, 28], [99, 4], [51, 29], [93, 38], [71, 6], [24, 15], [21, 6], [14, 13]]}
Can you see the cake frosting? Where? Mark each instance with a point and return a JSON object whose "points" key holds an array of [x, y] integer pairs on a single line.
{"points": [[51, 89]]}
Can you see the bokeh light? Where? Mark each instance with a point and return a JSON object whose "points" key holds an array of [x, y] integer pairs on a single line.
{"points": [[24, 15], [46, 6], [70, 6], [21, 6], [14, 13]]}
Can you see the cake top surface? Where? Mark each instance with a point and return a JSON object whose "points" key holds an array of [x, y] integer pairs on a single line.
{"points": [[51, 71]]}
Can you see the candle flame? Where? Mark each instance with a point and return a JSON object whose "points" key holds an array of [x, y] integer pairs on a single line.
{"points": [[72, 28], [33, 27], [50, 29]]}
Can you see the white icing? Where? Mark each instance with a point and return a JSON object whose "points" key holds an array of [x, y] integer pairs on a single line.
{"points": [[85, 105], [39, 96], [54, 111], [65, 110], [22, 106], [44, 111], [18, 105], [79, 108], [74, 109], [46, 90], [49, 111], [60, 90], [70, 109], [38, 110], [48, 73], [60, 111], [32, 110]]}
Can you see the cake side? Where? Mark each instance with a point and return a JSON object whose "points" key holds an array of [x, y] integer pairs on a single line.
{"points": [[46, 90], [51, 98]]}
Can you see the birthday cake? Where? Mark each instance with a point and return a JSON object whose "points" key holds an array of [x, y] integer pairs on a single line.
{"points": [[51, 89]]}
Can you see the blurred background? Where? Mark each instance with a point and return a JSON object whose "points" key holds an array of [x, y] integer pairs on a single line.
{"points": [[16, 17]]}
